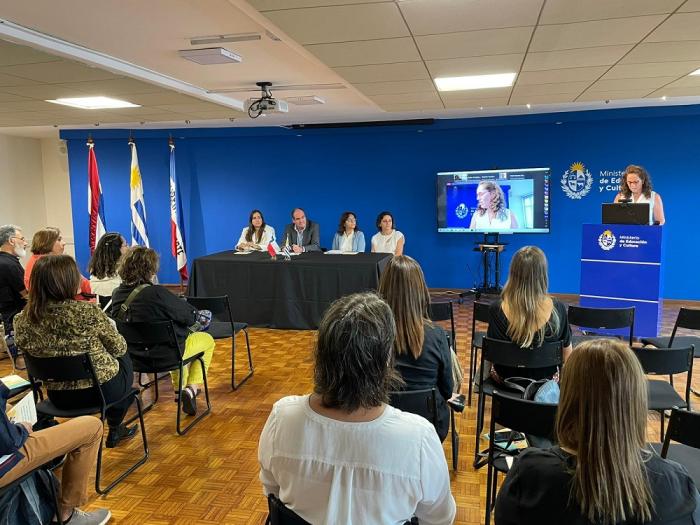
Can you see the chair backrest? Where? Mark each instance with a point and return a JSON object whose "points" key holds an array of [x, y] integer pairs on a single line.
{"points": [[522, 415], [104, 300], [480, 313], [688, 318], [219, 306], [665, 361], [61, 369], [280, 514], [153, 347], [602, 318], [421, 402], [443, 311], [507, 353], [684, 428]]}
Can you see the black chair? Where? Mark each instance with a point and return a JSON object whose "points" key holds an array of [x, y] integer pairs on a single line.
{"points": [[480, 314], [443, 311], [666, 361], [103, 301], [280, 514], [154, 348], [684, 429], [424, 403], [507, 353], [223, 327], [519, 415], [76, 368], [593, 319], [52, 482]]}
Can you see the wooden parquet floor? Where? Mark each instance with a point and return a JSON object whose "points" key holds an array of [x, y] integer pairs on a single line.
{"points": [[210, 475]]}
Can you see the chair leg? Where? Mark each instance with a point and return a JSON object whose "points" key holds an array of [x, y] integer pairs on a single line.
{"points": [[183, 431], [479, 460], [455, 441], [144, 387], [472, 357], [662, 417], [141, 461], [490, 473], [235, 385]]}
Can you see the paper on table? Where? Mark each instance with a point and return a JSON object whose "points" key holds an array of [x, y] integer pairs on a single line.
{"points": [[340, 252], [23, 410], [244, 252]]}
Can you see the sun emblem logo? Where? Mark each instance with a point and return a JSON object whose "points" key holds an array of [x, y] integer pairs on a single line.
{"points": [[607, 240], [461, 211], [576, 181]]}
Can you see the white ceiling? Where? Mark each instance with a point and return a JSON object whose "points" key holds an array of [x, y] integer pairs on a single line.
{"points": [[382, 54]]}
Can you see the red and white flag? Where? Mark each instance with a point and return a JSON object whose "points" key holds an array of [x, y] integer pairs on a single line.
{"points": [[177, 230], [96, 207]]}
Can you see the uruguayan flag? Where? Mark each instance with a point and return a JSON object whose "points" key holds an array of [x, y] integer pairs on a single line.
{"points": [[139, 233]]}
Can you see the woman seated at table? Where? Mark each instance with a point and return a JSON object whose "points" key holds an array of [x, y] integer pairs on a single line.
{"points": [[421, 349], [388, 239], [257, 235], [349, 238], [602, 470], [53, 324], [154, 303], [527, 315], [342, 455], [103, 264]]}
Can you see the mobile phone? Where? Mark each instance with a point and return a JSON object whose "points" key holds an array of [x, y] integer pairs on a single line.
{"points": [[503, 436]]}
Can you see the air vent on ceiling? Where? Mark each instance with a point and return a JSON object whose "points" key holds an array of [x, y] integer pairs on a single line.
{"points": [[310, 100], [210, 55]]}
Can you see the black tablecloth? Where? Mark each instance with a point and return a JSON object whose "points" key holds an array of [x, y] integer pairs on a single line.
{"points": [[284, 294]]}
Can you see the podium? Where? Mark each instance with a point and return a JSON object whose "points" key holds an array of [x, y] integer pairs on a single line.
{"points": [[621, 267]]}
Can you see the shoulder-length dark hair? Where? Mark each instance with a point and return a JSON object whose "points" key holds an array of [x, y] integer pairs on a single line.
{"points": [[108, 251], [251, 229], [353, 355], [138, 265], [402, 285], [643, 176], [44, 239], [54, 278], [381, 216], [343, 218]]}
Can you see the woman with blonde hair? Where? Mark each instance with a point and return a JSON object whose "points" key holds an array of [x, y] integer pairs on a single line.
{"points": [[421, 349], [491, 211], [526, 314], [602, 471]]}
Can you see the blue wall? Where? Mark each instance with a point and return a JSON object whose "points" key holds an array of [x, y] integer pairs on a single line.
{"points": [[224, 173]]}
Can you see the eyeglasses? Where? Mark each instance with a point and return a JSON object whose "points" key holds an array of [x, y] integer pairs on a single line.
{"points": [[19, 238]]}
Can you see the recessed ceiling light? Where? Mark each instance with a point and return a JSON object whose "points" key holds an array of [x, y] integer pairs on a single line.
{"points": [[474, 82], [696, 72], [663, 98], [528, 106], [94, 103]]}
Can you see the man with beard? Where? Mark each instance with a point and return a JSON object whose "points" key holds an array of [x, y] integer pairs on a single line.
{"points": [[13, 245]]}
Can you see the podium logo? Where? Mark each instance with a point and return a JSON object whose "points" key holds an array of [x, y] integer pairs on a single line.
{"points": [[576, 181], [607, 240]]}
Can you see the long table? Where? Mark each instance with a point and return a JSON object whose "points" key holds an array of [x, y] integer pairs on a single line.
{"points": [[284, 294]]}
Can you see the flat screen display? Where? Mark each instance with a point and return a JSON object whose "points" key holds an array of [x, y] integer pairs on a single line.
{"points": [[494, 201]]}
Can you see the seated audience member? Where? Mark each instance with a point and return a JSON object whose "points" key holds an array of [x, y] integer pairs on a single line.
{"points": [[387, 240], [526, 314], [103, 264], [421, 349], [153, 303], [13, 292], [342, 455], [53, 324], [302, 235], [49, 241], [348, 238], [77, 438], [602, 471], [257, 235]]}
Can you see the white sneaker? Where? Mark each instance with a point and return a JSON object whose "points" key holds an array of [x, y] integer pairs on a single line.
{"points": [[95, 517]]}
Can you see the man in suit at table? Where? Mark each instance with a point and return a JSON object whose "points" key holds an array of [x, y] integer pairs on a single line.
{"points": [[302, 235]]}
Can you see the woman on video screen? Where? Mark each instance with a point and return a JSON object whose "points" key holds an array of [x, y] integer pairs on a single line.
{"points": [[491, 212]]}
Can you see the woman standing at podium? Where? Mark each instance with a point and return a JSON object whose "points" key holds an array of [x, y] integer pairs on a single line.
{"points": [[257, 235], [636, 188]]}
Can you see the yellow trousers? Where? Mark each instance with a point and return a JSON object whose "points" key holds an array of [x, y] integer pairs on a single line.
{"points": [[195, 343]]}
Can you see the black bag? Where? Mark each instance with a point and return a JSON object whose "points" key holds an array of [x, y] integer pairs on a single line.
{"points": [[30, 502], [542, 390]]}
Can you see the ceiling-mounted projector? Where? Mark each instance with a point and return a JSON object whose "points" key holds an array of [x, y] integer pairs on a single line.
{"points": [[266, 103]]}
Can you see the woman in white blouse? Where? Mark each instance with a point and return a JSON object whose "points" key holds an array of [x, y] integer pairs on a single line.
{"points": [[103, 264], [388, 240], [257, 235], [349, 238]]}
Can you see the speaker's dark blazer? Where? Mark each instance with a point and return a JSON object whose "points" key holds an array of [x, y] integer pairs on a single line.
{"points": [[310, 238]]}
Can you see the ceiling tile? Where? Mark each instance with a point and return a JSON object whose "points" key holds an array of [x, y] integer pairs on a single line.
{"points": [[426, 96], [472, 94], [387, 88], [270, 5], [115, 87], [384, 72], [563, 11], [413, 106], [592, 56], [683, 26], [9, 80], [554, 98], [341, 24], [11, 97], [663, 52], [163, 97], [551, 89], [593, 34], [475, 43], [192, 107], [690, 5], [686, 81], [486, 65], [45, 91], [26, 105], [687, 91], [58, 72], [552, 76], [622, 84], [476, 103], [652, 69], [613, 95], [384, 51], [13, 54], [446, 16]]}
